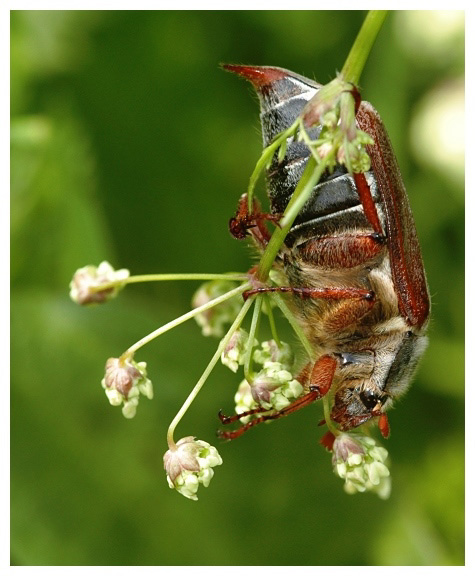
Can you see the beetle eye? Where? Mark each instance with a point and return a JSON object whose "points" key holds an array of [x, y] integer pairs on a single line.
{"points": [[369, 399]]}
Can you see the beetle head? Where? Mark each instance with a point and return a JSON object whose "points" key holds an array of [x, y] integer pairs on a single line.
{"points": [[356, 403]]}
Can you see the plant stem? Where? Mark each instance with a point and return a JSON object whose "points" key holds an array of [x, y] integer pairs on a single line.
{"points": [[361, 48], [248, 375], [273, 327], [167, 277], [326, 413], [265, 158], [351, 73], [206, 373], [295, 325], [310, 177], [191, 314]]}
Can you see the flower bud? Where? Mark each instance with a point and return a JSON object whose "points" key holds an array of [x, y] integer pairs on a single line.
{"points": [[234, 354], [274, 387], [86, 283], [271, 352], [212, 321], [123, 383], [189, 464], [360, 462], [326, 99], [244, 401]]}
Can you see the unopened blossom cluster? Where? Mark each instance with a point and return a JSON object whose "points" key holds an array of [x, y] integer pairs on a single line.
{"points": [[362, 464], [92, 284], [190, 464], [332, 107], [273, 387], [124, 382]]}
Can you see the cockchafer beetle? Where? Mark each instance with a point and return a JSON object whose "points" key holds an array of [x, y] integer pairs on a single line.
{"points": [[352, 256]]}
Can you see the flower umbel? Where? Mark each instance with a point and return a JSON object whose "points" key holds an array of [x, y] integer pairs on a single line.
{"points": [[124, 381], [85, 287], [361, 463], [189, 464]]}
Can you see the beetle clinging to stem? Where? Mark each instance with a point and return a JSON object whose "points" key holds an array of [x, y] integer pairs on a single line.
{"points": [[351, 259]]}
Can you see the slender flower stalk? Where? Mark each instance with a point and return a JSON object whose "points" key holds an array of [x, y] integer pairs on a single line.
{"points": [[362, 45], [295, 325], [266, 158], [168, 278], [270, 314], [309, 179], [326, 413], [222, 345], [252, 336]]}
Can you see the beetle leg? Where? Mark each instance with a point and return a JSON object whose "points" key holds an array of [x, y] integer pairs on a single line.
{"points": [[321, 379], [367, 201], [297, 405], [325, 293], [245, 222], [230, 419], [302, 378]]}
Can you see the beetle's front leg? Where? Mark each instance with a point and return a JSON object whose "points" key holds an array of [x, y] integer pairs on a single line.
{"points": [[321, 378], [253, 223]]}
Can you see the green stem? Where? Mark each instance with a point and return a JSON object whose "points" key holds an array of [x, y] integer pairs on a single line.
{"points": [[326, 413], [295, 325], [265, 158], [351, 73], [167, 277], [361, 48], [146, 339], [310, 177], [248, 375], [222, 345], [270, 315]]}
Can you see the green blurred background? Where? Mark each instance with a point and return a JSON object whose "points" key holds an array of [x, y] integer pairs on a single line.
{"points": [[130, 144]]}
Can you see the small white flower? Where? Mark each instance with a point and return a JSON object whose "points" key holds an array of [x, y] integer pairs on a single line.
{"points": [[274, 387], [244, 400], [361, 463], [234, 353], [190, 464], [123, 383], [86, 281], [212, 321], [271, 352]]}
